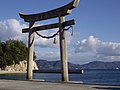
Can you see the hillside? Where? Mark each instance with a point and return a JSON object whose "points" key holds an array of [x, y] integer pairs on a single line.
{"points": [[101, 65], [44, 64]]}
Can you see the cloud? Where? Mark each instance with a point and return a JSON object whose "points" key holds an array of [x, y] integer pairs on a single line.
{"points": [[96, 49], [43, 42], [12, 29], [51, 55], [95, 45], [86, 50]]}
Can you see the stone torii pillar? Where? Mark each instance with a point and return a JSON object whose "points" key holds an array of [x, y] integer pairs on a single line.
{"points": [[30, 52], [63, 50], [56, 13]]}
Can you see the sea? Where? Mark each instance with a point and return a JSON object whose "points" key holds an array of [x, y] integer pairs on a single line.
{"points": [[106, 77]]}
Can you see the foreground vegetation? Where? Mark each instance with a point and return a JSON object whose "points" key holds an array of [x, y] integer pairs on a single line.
{"points": [[12, 52]]}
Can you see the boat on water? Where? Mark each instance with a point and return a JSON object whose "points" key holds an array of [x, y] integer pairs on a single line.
{"points": [[117, 68]]}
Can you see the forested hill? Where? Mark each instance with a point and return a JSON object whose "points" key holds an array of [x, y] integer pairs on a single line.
{"points": [[12, 52], [44, 64]]}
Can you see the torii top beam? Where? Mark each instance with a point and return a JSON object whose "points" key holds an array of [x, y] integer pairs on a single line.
{"points": [[62, 11]]}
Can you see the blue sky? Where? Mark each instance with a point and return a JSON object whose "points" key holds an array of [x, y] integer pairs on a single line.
{"points": [[96, 33]]}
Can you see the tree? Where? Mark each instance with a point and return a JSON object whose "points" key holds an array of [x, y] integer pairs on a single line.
{"points": [[17, 49], [12, 52]]}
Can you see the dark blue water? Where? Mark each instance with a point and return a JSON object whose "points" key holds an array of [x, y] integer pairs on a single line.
{"points": [[111, 77]]}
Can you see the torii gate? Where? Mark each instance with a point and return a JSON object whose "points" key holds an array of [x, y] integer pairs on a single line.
{"points": [[56, 13]]}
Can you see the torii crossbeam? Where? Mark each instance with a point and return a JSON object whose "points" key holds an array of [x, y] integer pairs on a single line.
{"points": [[56, 13]]}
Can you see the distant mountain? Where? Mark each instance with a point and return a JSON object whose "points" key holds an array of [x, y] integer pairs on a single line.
{"points": [[44, 64], [101, 65]]}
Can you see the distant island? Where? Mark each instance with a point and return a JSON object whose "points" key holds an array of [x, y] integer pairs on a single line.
{"points": [[44, 64]]}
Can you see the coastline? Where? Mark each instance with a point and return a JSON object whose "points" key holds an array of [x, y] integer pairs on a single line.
{"points": [[12, 72]]}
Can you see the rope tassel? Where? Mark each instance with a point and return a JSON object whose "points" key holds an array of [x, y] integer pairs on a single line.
{"points": [[55, 41], [72, 31]]}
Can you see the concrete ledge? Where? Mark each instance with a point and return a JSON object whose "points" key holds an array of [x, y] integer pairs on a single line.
{"points": [[37, 85], [12, 72]]}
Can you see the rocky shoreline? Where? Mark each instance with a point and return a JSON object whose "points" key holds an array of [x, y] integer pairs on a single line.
{"points": [[21, 67]]}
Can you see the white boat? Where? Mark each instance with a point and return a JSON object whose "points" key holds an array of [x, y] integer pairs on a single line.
{"points": [[117, 68]]}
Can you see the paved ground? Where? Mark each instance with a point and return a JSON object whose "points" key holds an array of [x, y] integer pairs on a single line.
{"points": [[37, 85]]}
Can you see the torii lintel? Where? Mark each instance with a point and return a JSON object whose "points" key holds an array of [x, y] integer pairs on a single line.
{"points": [[62, 11], [50, 26]]}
